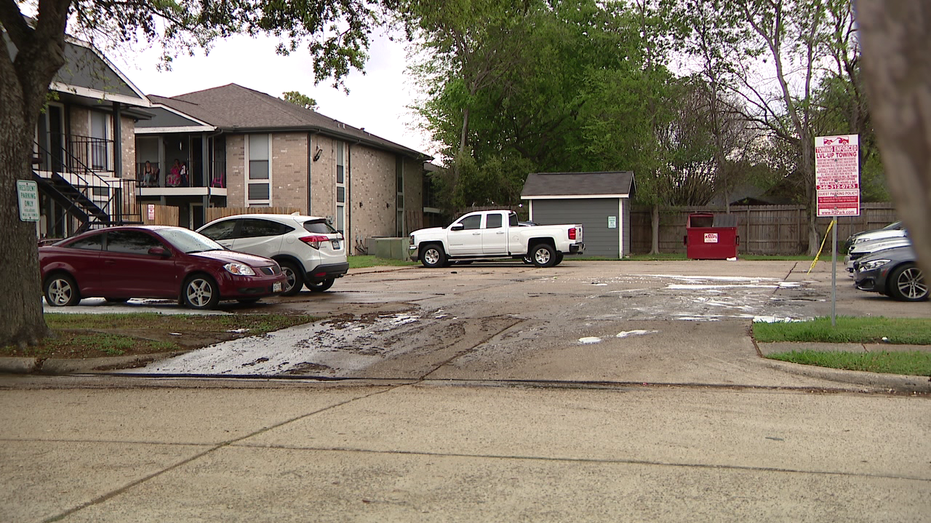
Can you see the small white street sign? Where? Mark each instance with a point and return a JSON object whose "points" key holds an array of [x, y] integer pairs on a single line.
{"points": [[28, 193]]}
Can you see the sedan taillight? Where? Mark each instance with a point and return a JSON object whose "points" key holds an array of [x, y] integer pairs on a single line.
{"points": [[314, 241]]}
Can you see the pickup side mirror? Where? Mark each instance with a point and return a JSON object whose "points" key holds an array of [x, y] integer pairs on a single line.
{"points": [[457, 227]]}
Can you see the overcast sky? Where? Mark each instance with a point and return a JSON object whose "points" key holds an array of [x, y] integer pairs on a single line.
{"points": [[377, 100]]}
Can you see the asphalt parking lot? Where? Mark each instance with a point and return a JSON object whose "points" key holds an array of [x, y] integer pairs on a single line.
{"points": [[666, 322]]}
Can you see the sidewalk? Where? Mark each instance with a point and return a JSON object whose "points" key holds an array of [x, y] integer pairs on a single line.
{"points": [[150, 450], [885, 382]]}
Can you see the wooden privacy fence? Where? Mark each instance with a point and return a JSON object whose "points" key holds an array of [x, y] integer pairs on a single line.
{"points": [[213, 213], [763, 229], [153, 214]]}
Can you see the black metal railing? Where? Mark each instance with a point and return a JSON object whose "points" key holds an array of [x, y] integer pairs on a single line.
{"points": [[151, 174], [78, 187], [69, 153]]}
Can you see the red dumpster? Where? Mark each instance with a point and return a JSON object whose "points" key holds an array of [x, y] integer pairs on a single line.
{"points": [[711, 236]]}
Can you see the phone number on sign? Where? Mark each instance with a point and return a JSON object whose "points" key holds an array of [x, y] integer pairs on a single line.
{"points": [[836, 186]]}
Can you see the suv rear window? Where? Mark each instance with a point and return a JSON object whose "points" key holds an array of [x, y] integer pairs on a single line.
{"points": [[319, 227], [257, 228]]}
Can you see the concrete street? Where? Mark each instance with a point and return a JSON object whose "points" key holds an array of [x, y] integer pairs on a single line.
{"points": [[612, 391]]}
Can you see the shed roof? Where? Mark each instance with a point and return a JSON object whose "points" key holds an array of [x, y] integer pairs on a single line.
{"points": [[234, 108], [608, 184]]}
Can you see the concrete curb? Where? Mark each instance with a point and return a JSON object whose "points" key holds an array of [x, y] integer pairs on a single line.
{"points": [[890, 382], [59, 366]]}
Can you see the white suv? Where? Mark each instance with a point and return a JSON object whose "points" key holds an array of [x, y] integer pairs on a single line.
{"points": [[310, 251]]}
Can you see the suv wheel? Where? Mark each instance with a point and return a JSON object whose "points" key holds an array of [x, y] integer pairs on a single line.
{"points": [[295, 281], [321, 286]]}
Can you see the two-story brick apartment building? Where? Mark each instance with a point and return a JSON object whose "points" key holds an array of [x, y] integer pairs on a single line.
{"points": [[243, 148]]}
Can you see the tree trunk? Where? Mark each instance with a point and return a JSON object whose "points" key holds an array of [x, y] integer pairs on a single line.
{"points": [[654, 225], [24, 85], [898, 76], [21, 320], [464, 133]]}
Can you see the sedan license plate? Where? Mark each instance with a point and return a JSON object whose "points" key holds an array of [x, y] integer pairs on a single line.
{"points": [[276, 287], [335, 244]]}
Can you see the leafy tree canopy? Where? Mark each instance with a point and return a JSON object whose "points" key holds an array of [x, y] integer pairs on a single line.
{"points": [[300, 99]]}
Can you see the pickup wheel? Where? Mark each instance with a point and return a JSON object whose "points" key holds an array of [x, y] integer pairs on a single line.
{"points": [[543, 255], [559, 257], [432, 256]]}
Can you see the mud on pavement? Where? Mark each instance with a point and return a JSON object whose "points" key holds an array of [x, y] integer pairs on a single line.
{"points": [[404, 344]]}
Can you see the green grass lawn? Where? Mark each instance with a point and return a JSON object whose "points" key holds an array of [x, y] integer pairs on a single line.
{"points": [[362, 262], [905, 331], [908, 363]]}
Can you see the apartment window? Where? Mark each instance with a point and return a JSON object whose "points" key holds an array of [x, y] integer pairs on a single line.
{"points": [[98, 145], [399, 182], [340, 164], [259, 177], [341, 188]]}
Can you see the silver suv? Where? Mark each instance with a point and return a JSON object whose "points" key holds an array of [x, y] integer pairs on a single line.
{"points": [[310, 251]]}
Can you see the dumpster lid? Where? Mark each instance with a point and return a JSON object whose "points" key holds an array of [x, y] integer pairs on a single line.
{"points": [[725, 220]]}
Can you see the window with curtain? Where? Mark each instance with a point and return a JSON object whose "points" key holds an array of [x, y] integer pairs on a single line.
{"points": [[259, 177]]}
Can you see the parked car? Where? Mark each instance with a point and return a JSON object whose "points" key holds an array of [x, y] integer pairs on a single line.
{"points": [[310, 251], [893, 272], [119, 263], [484, 235], [866, 248], [893, 230]]}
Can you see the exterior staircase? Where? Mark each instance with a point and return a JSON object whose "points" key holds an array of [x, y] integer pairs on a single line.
{"points": [[82, 193]]}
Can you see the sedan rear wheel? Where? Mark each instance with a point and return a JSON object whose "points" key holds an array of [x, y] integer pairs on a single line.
{"points": [[906, 283], [201, 292], [61, 291]]}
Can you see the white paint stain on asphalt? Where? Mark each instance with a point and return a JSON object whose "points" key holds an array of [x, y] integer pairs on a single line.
{"points": [[589, 340], [317, 348], [638, 332]]}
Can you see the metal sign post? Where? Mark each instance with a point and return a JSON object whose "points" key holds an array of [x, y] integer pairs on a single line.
{"points": [[837, 185], [834, 275]]}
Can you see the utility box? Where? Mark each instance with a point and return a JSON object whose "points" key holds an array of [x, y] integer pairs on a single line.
{"points": [[711, 236]]}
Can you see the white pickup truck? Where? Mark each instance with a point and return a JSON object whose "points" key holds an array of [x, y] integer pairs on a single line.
{"points": [[495, 234]]}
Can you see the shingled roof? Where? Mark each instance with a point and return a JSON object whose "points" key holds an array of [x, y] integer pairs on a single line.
{"points": [[234, 108], [611, 184]]}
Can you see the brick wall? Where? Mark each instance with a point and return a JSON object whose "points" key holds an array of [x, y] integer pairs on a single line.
{"points": [[373, 193], [289, 170], [235, 170], [80, 124], [323, 177], [371, 196], [128, 135]]}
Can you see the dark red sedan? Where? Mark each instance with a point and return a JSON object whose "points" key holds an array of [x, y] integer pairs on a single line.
{"points": [[119, 263]]}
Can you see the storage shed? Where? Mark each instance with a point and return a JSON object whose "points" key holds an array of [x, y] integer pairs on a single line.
{"points": [[600, 201]]}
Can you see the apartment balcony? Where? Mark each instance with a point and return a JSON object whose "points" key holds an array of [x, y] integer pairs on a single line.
{"points": [[156, 182]]}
